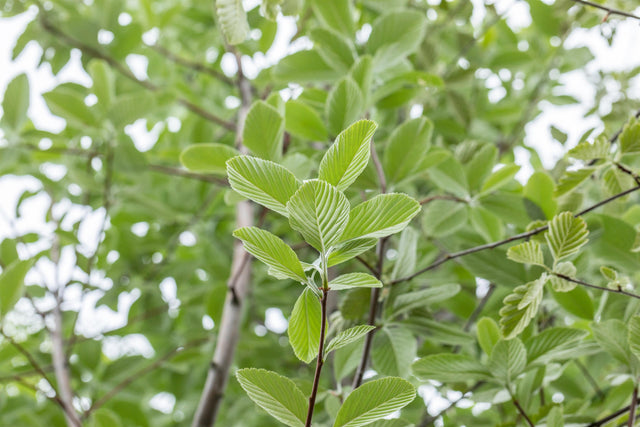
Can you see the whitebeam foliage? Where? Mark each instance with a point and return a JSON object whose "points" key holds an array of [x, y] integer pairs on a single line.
{"points": [[304, 211]]}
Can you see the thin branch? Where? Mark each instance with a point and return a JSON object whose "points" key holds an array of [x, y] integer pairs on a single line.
{"points": [[124, 71], [615, 136], [32, 361], [454, 255], [610, 11], [589, 378], [479, 308], [522, 412], [366, 265], [629, 172], [139, 374], [608, 418], [632, 407], [55, 399], [320, 358], [193, 65], [600, 288], [239, 286]]}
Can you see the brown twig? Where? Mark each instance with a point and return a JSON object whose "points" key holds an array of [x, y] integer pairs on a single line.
{"points": [[600, 288], [609, 10], [633, 406], [522, 412]]}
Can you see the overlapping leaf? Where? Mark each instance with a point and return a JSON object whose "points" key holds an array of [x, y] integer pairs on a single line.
{"points": [[374, 400], [349, 250], [277, 395], [233, 20], [630, 137], [354, 280], [304, 326], [207, 158], [508, 360], [263, 131], [381, 216], [527, 253], [558, 283], [520, 307], [553, 344], [566, 235], [348, 336], [320, 213], [270, 249], [348, 156], [262, 181], [447, 367]]}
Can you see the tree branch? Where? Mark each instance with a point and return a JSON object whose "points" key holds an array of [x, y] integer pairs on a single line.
{"points": [[454, 255], [609, 10], [239, 284], [522, 412], [600, 288], [632, 407]]}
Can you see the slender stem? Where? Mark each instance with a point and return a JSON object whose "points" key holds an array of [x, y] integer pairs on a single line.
{"points": [[609, 10], [522, 412], [320, 358], [589, 378], [454, 255], [629, 172], [610, 417], [600, 288], [632, 408]]}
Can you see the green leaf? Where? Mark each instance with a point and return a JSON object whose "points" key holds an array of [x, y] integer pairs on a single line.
{"points": [[571, 179], [207, 158], [612, 335], [104, 85], [500, 178], [347, 337], [348, 155], [67, 101], [520, 307], [577, 302], [303, 67], [566, 235], [304, 326], [630, 137], [559, 284], [555, 417], [333, 48], [320, 213], [406, 148], [349, 250], [262, 181], [263, 131], [480, 166], [586, 151], [270, 249], [336, 14], [232, 20], [277, 395], [303, 121], [450, 176], [374, 400], [354, 280], [544, 17], [444, 217], [15, 103], [634, 336], [553, 344], [526, 253], [12, 284], [508, 360], [344, 105], [407, 254], [381, 216], [614, 280], [488, 334], [394, 349], [616, 181], [446, 367], [394, 36], [539, 189], [423, 298]]}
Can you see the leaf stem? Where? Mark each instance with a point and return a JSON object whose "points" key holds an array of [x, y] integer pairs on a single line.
{"points": [[600, 288], [320, 358], [522, 412], [609, 10]]}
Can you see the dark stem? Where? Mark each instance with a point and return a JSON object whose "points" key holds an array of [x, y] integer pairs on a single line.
{"points": [[609, 10], [522, 412], [454, 255], [632, 408], [589, 378], [608, 418], [320, 358]]}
